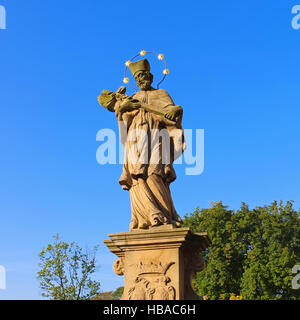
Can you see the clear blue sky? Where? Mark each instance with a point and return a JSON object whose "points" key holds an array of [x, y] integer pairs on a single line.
{"points": [[234, 69]]}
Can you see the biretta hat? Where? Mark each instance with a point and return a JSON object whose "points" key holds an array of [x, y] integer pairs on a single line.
{"points": [[141, 65]]}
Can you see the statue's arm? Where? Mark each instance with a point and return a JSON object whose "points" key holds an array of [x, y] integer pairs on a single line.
{"points": [[174, 114], [165, 106], [127, 105]]}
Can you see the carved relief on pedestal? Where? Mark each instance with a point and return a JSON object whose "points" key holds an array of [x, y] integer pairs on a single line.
{"points": [[151, 283]]}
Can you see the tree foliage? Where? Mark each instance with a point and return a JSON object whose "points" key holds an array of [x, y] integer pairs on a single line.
{"points": [[252, 252], [117, 294], [110, 295], [66, 271]]}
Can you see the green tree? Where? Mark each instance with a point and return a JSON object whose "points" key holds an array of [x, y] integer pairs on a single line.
{"points": [[109, 295], [103, 296], [66, 271], [117, 294], [252, 252]]}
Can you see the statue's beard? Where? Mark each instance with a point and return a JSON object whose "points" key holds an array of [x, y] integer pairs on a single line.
{"points": [[144, 84], [144, 81]]}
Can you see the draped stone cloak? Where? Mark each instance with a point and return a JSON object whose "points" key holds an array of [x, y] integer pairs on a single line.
{"points": [[152, 143]]}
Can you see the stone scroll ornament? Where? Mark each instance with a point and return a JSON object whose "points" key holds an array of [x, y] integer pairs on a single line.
{"points": [[151, 131]]}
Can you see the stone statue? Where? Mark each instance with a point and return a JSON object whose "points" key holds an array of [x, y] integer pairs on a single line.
{"points": [[151, 131], [158, 263]]}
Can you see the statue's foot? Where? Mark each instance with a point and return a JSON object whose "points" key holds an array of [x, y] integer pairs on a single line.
{"points": [[133, 225], [143, 226], [177, 224], [156, 222]]}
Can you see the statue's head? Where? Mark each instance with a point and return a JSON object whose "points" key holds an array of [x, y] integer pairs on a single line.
{"points": [[141, 73]]}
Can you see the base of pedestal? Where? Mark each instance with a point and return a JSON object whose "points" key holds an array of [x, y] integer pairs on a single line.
{"points": [[158, 263]]}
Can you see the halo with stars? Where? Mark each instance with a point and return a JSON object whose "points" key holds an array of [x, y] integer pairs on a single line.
{"points": [[142, 53]]}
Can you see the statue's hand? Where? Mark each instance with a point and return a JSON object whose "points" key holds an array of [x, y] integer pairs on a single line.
{"points": [[128, 105], [174, 113]]}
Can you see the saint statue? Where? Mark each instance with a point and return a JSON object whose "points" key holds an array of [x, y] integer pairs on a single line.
{"points": [[152, 134]]}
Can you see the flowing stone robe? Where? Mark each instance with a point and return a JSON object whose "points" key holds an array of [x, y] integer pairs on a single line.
{"points": [[151, 143]]}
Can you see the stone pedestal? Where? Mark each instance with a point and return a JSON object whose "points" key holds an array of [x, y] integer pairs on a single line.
{"points": [[158, 263]]}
